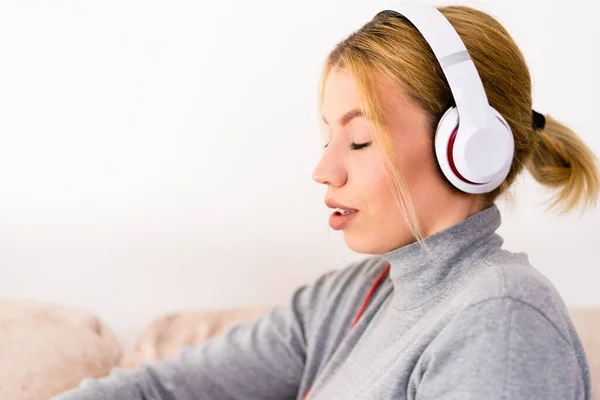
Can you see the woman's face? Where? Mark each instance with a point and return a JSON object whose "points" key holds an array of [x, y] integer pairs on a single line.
{"points": [[354, 170]]}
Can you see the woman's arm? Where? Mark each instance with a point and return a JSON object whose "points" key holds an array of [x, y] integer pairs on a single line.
{"points": [[500, 348], [262, 359]]}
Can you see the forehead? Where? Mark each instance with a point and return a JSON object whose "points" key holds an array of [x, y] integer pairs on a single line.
{"points": [[341, 93], [401, 115]]}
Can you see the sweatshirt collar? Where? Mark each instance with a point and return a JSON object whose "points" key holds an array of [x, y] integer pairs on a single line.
{"points": [[455, 253]]}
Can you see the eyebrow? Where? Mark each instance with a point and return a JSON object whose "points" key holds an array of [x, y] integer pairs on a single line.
{"points": [[349, 116]]}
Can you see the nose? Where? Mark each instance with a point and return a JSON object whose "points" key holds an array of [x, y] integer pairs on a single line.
{"points": [[329, 170]]}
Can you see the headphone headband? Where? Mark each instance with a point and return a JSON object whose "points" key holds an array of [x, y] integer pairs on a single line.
{"points": [[474, 145], [457, 65]]}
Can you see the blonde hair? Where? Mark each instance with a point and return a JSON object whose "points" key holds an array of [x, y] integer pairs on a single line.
{"points": [[555, 156]]}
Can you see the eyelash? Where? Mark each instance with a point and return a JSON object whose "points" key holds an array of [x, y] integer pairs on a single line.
{"points": [[358, 146], [355, 146]]}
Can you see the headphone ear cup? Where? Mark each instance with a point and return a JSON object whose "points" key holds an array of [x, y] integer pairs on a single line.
{"points": [[444, 134]]}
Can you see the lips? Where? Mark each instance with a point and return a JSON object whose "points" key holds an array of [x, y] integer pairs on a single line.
{"points": [[341, 215], [338, 206], [342, 211], [338, 220]]}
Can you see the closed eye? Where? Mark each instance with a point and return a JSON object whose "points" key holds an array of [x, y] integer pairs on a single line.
{"points": [[358, 146], [354, 146]]}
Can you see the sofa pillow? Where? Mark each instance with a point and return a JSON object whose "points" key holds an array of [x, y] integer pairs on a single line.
{"points": [[587, 324], [46, 349], [167, 335]]}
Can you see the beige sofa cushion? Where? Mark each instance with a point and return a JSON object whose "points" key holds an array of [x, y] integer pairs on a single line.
{"points": [[587, 323], [166, 335], [47, 349]]}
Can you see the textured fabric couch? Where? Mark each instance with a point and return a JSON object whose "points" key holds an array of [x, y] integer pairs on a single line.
{"points": [[46, 349]]}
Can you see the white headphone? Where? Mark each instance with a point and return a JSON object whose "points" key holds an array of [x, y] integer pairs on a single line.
{"points": [[474, 144]]}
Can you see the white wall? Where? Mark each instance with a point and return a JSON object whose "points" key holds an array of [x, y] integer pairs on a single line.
{"points": [[136, 135]]}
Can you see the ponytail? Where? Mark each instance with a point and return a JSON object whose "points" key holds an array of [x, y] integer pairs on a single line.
{"points": [[561, 161]]}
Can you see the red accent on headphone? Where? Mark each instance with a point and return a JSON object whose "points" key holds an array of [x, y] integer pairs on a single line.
{"points": [[451, 158], [361, 310]]}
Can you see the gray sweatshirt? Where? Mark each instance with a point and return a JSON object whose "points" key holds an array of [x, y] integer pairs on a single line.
{"points": [[467, 321]]}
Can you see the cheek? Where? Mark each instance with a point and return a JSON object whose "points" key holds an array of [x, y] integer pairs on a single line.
{"points": [[420, 172], [375, 193], [417, 166]]}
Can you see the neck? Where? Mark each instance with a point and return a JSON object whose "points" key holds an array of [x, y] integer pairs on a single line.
{"points": [[420, 272]]}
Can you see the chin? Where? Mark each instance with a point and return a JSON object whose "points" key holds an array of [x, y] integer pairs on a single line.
{"points": [[365, 243]]}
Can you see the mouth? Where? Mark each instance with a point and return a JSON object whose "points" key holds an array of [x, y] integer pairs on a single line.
{"points": [[343, 211], [340, 218]]}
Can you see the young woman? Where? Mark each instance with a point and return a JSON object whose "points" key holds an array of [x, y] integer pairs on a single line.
{"points": [[440, 311]]}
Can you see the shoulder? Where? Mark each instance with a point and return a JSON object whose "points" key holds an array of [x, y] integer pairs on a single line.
{"points": [[509, 278]]}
